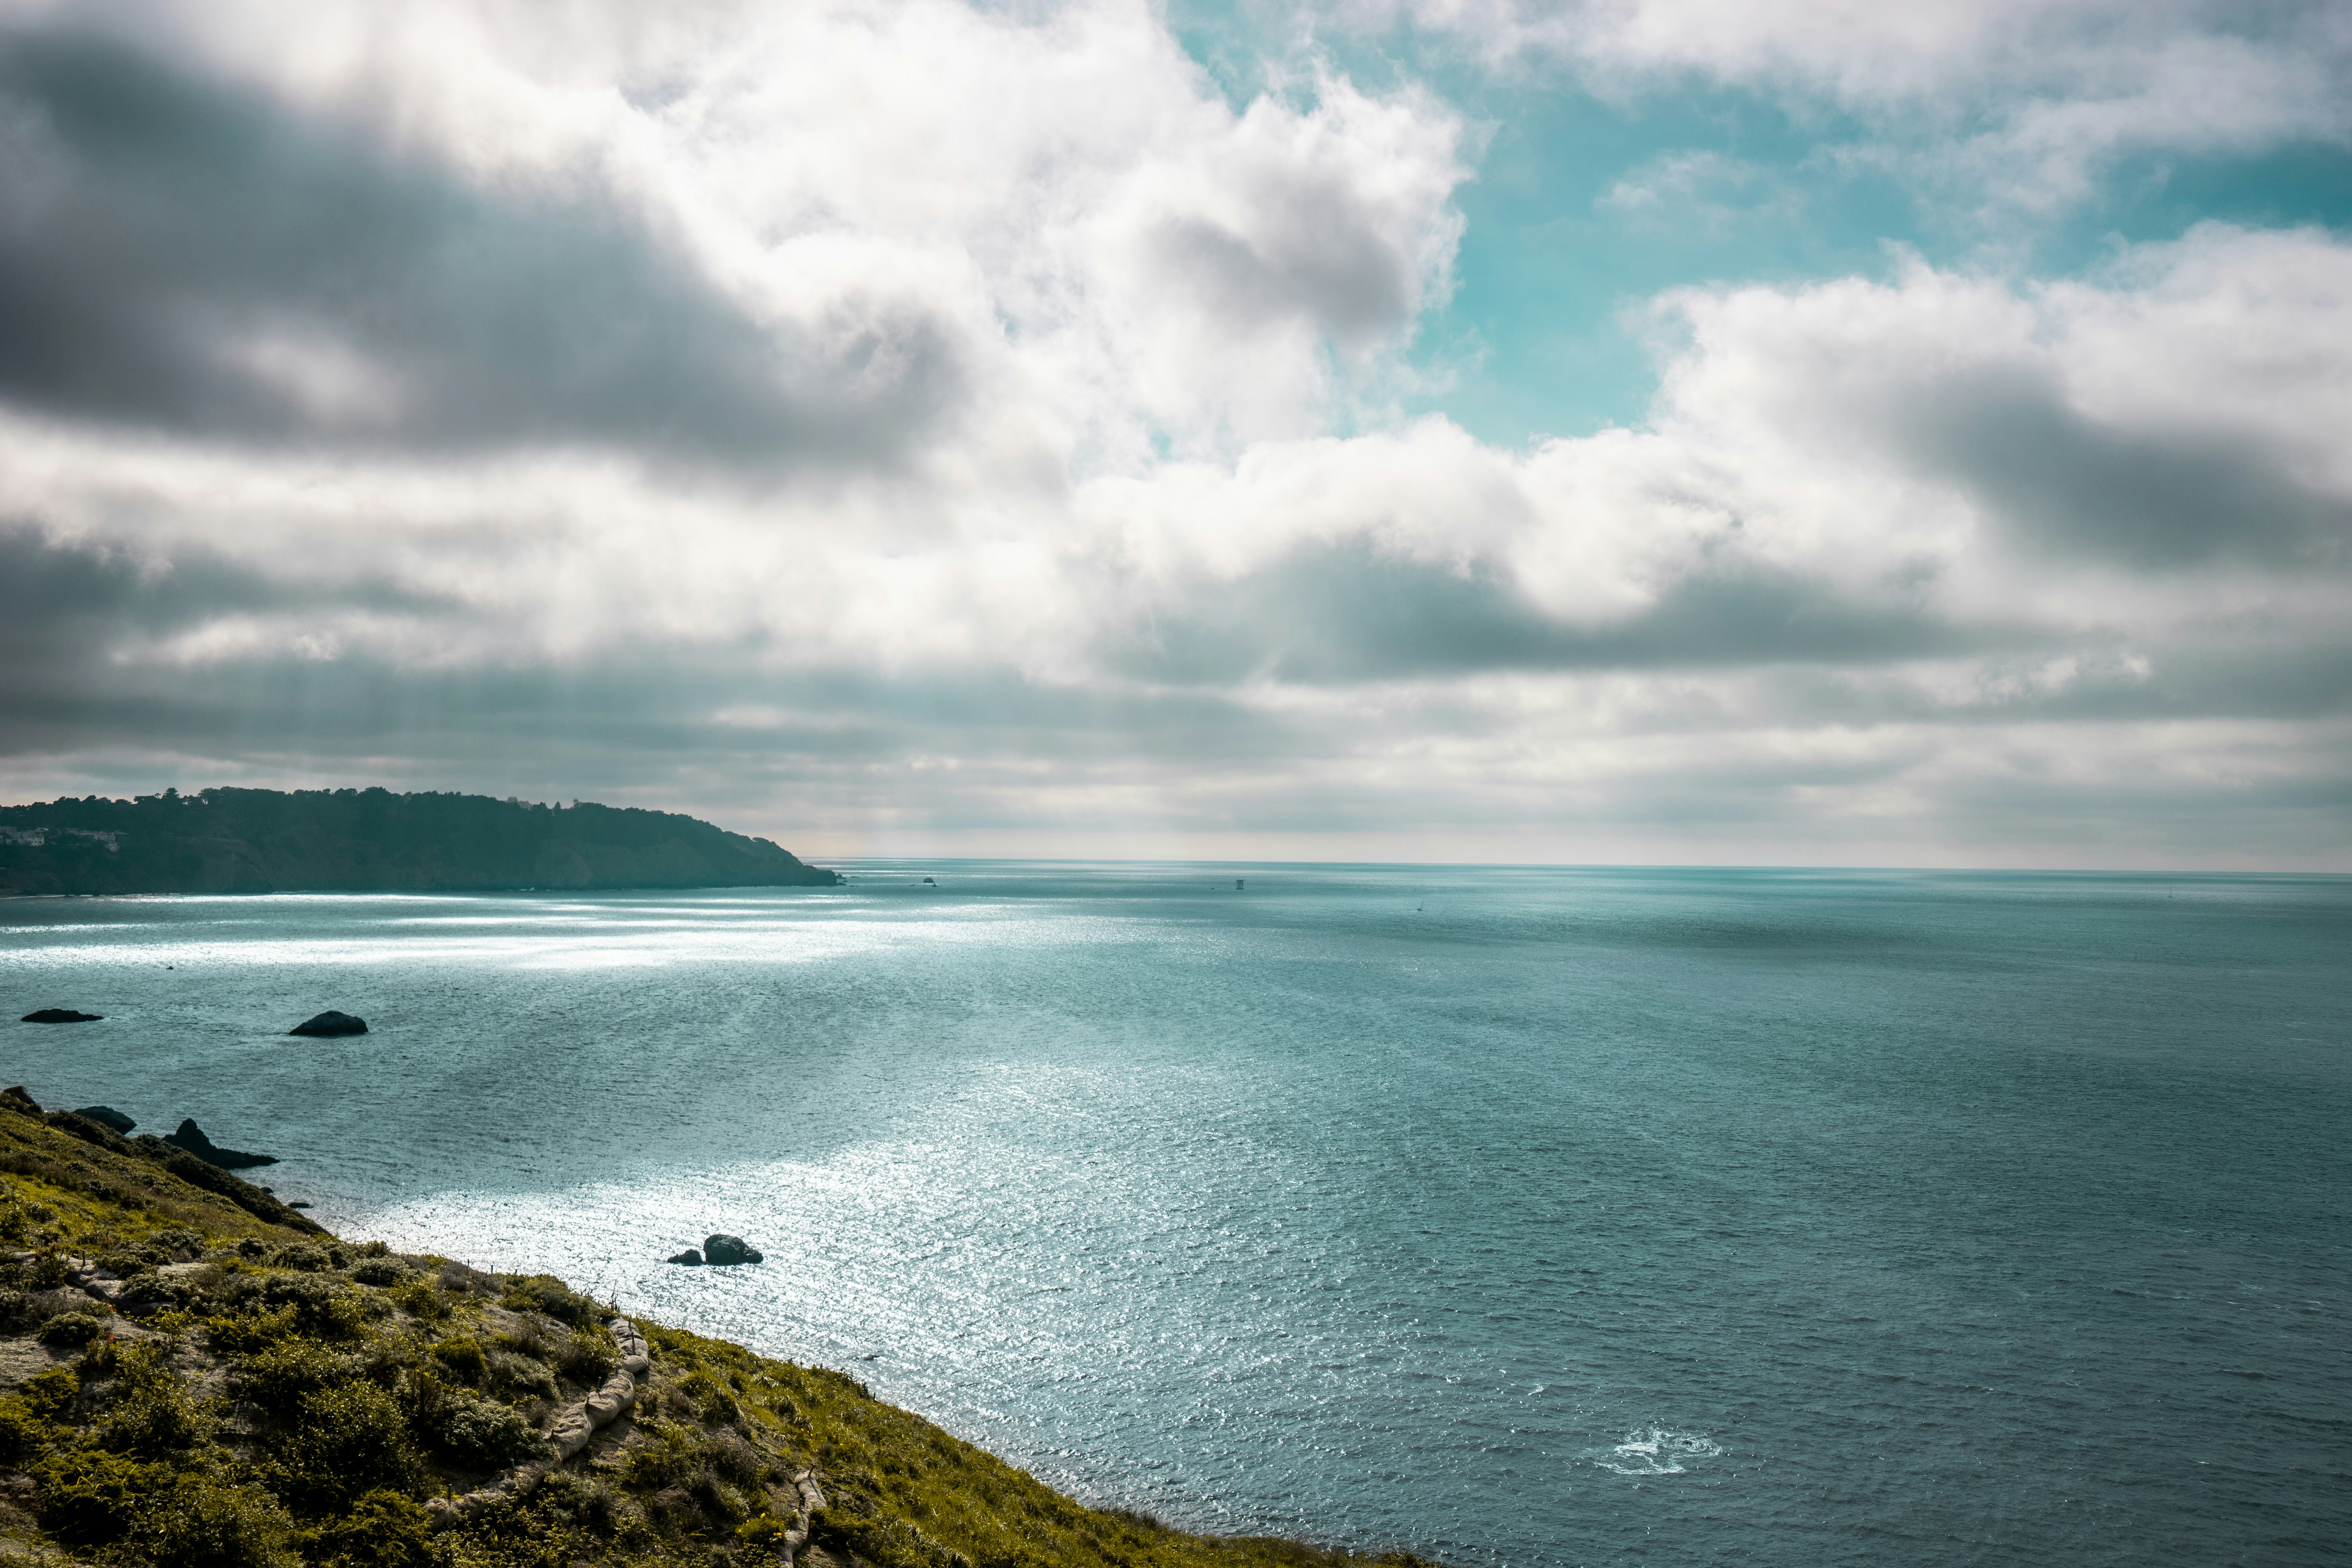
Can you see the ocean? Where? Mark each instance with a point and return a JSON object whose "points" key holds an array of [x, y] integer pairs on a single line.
{"points": [[1510, 1216]]}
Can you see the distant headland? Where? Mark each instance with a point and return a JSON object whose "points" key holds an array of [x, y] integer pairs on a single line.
{"points": [[370, 840]]}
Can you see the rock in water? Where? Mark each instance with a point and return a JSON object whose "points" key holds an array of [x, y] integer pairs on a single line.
{"points": [[691, 1257], [106, 1116], [61, 1016], [722, 1249], [191, 1138], [331, 1022]]}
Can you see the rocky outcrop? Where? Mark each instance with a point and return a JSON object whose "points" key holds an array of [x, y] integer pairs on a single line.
{"points": [[721, 1251], [201, 1173], [568, 1434], [60, 1015], [331, 1022], [191, 1138], [107, 1116], [811, 1499]]}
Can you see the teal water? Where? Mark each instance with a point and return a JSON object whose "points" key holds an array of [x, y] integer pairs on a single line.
{"points": [[1519, 1217]]}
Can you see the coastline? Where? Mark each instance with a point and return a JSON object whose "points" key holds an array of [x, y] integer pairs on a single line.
{"points": [[192, 1372]]}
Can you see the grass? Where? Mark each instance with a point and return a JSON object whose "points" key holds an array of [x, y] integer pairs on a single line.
{"points": [[279, 1397]]}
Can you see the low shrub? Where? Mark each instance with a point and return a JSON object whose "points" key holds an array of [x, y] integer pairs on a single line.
{"points": [[419, 1299], [380, 1272], [323, 1307], [49, 1395], [384, 1529], [91, 1498], [345, 1441], [764, 1531], [154, 1417], [70, 1329], [567, 1497], [23, 1434], [545, 1293], [884, 1542], [669, 1458], [521, 1375], [711, 1397], [720, 1501], [201, 1522], [463, 1355], [533, 1336], [149, 1289], [40, 1306], [243, 1333], [726, 1453], [482, 1435], [176, 1246], [461, 1279], [589, 1355], [278, 1377]]}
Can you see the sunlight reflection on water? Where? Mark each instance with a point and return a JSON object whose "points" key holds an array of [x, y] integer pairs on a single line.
{"points": [[1390, 1207]]}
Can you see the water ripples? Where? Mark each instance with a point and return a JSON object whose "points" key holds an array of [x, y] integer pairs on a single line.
{"points": [[1719, 1216]]}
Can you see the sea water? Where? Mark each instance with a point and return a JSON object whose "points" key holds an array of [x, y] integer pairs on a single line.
{"points": [[1517, 1217]]}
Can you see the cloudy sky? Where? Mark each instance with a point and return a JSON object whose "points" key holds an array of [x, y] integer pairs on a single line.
{"points": [[1780, 431]]}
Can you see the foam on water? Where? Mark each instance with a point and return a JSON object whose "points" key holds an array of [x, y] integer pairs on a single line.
{"points": [[1517, 1217], [1658, 1453]]}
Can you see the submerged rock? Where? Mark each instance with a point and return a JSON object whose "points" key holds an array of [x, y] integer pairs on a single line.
{"points": [[331, 1022], [61, 1016], [721, 1249], [191, 1138], [106, 1116], [691, 1257]]}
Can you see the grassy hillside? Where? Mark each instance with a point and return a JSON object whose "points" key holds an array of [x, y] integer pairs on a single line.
{"points": [[230, 1387], [370, 840]]}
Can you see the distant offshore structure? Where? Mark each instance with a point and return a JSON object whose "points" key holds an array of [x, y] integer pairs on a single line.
{"points": [[372, 840]]}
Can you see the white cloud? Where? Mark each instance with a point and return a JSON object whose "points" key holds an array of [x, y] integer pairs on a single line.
{"points": [[2024, 101], [922, 382]]}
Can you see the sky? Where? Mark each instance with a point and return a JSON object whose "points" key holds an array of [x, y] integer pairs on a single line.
{"points": [[1791, 432]]}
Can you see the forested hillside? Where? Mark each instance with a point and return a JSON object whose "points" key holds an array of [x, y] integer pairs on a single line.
{"points": [[370, 840]]}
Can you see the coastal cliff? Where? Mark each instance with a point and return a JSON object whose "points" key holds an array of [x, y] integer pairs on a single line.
{"points": [[370, 840], [191, 1376]]}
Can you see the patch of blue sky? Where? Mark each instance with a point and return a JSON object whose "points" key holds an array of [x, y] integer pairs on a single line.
{"points": [[2157, 197], [1582, 208]]}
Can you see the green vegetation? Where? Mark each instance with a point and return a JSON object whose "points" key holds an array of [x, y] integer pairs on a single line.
{"points": [[360, 840], [272, 1398]]}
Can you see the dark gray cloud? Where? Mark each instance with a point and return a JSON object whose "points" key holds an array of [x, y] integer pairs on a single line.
{"points": [[1347, 613], [69, 612], [70, 615], [161, 236], [718, 728], [2165, 500]]}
